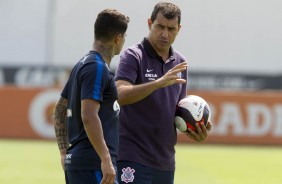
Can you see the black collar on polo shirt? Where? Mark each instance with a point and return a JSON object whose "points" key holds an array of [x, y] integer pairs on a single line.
{"points": [[152, 52]]}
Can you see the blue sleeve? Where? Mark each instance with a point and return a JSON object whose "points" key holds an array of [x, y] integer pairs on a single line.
{"points": [[93, 78]]}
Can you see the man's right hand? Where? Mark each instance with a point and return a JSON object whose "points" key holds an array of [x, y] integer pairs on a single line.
{"points": [[172, 77], [108, 171], [63, 156]]}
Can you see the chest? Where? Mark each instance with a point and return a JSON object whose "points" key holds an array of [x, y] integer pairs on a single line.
{"points": [[150, 70], [110, 90]]}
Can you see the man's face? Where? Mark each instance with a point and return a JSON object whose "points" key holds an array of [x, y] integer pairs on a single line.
{"points": [[163, 32]]}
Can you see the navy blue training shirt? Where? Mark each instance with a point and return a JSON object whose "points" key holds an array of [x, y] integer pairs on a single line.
{"points": [[147, 131], [90, 79]]}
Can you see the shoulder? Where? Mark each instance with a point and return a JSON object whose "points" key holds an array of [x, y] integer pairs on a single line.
{"points": [[92, 61], [135, 51], [94, 68], [179, 56]]}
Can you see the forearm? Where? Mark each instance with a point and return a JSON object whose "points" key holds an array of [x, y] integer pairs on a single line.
{"points": [[129, 94], [60, 124], [95, 134]]}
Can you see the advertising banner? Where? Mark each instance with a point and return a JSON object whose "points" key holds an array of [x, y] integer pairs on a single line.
{"points": [[243, 117], [237, 117], [27, 112]]}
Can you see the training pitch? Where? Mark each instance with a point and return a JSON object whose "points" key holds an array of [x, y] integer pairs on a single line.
{"points": [[38, 162]]}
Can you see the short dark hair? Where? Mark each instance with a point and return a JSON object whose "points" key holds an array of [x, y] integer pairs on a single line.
{"points": [[109, 23], [168, 10]]}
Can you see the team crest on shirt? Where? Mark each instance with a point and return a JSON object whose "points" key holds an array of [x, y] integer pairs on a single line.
{"points": [[127, 175]]}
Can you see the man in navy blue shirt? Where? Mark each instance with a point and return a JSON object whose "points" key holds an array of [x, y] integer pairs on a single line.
{"points": [[86, 115], [151, 79]]}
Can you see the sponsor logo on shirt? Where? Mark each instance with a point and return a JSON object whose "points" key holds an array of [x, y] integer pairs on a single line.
{"points": [[116, 107], [151, 76], [68, 159], [69, 113]]}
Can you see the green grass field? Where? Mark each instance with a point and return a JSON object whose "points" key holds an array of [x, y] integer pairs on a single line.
{"points": [[38, 162]]}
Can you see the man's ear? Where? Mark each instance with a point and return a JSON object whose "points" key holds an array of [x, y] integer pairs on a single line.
{"points": [[149, 21], [118, 38], [179, 27]]}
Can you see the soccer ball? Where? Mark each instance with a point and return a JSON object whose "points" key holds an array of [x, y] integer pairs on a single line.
{"points": [[191, 110]]}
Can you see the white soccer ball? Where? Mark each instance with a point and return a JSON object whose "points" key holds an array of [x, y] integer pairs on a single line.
{"points": [[191, 110]]}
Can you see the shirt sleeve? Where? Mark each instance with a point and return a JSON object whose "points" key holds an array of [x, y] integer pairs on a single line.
{"points": [[128, 67], [64, 93], [93, 78], [184, 86]]}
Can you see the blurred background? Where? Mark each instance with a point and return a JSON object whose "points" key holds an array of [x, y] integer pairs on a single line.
{"points": [[234, 51]]}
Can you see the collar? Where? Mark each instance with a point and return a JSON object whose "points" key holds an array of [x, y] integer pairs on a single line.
{"points": [[152, 52]]}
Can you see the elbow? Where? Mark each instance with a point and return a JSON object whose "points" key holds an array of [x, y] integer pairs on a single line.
{"points": [[86, 118], [125, 99], [124, 96], [122, 101]]}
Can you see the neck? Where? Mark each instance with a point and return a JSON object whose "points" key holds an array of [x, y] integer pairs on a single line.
{"points": [[163, 53], [106, 50]]}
